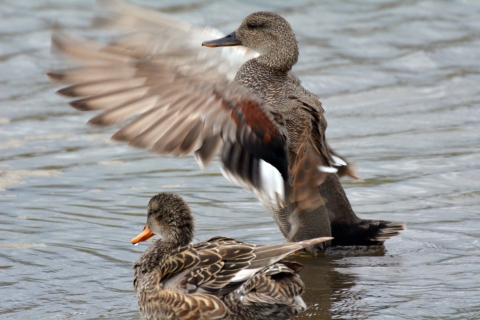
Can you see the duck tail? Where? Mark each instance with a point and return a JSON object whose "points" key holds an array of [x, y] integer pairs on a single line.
{"points": [[366, 232]]}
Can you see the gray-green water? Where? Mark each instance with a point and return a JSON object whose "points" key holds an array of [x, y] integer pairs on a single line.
{"points": [[400, 83]]}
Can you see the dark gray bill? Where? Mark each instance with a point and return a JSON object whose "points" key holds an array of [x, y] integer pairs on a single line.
{"points": [[227, 41]]}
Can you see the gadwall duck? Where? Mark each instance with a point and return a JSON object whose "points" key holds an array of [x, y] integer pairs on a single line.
{"points": [[220, 278], [270, 130]]}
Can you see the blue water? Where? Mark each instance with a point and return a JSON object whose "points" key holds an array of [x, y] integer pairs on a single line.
{"points": [[399, 81]]}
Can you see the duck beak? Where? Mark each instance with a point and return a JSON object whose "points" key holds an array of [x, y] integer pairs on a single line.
{"points": [[144, 235], [227, 41]]}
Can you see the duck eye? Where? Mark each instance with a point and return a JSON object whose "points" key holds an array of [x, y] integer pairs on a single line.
{"points": [[252, 26]]}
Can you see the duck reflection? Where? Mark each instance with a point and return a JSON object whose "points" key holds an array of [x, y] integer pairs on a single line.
{"points": [[328, 291]]}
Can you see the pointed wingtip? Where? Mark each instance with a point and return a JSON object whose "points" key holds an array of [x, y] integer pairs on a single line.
{"points": [[68, 92], [201, 164], [79, 105], [54, 76], [323, 239], [120, 136], [57, 38], [314, 241], [100, 121], [355, 176]]}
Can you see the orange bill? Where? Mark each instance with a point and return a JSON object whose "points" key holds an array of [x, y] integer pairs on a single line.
{"points": [[144, 235]]}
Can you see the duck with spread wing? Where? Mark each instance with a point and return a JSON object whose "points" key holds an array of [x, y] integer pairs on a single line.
{"points": [[184, 98]]}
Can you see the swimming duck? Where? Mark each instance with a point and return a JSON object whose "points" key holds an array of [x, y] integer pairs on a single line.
{"points": [[270, 130], [220, 278]]}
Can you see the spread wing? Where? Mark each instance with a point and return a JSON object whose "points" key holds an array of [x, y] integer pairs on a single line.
{"points": [[177, 96]]}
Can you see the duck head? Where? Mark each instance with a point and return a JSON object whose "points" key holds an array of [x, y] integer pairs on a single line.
{"points": [[170, 217], [267, 33]]}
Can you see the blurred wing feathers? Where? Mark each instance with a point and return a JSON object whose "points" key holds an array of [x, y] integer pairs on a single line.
{"points": [[178, 94]]}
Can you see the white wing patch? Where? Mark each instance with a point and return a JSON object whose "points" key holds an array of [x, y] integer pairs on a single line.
{"points": [[271, 188], [244, 275], [272, 180], [300, 302], [338, 161], [327, 169]]}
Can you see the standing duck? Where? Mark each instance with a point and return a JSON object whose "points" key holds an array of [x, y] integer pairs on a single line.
{"points": [[269, 129], [220, 278]]}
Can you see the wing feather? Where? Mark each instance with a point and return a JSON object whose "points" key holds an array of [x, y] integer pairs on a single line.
{"points": [[180, 105]]}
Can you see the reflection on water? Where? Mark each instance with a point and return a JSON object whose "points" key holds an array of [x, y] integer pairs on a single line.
{"points": [[328, 292], [399, 83]]}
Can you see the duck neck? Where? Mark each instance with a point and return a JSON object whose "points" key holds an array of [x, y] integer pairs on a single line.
{"points": [[282, 57], [173, 237], [173, 241], [152, 257], [179, 232]]}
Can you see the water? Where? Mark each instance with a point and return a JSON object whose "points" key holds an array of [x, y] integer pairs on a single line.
{"points": [[400, 84]]}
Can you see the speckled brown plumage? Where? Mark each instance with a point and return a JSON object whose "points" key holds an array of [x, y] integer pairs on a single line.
{"points": [[220, 278], [266, 294], [186, 100]]}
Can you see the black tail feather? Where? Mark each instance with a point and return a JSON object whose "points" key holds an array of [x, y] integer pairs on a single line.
{"points": [[365, 233]]}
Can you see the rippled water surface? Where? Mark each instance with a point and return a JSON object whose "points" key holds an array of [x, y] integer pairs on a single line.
{"points": [[400, 83]]}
